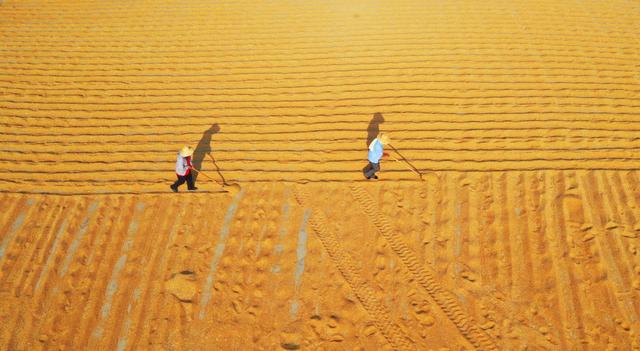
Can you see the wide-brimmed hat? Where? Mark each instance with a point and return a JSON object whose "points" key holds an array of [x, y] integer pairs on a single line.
{"points": [[186, 151], [384, 138]]}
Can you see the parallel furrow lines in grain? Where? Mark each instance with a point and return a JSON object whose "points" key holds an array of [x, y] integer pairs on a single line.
{"points": [[77, 221], [291, 84], [522, 240], [569, 285], [266, 132], [131, 300], [335, 169], [107, 155], [203, 35], [462, 234], [618, 282], [633, 180], [612, 227], [423, 63], [343, 261], [71, 210], [534, 230], [366, 84], [108, 97], [426, 214], [512, 211], [343, 74], [115, 19], [13, 205], [546, 49], [110, 165], [10, 243], [476, 253], [153, 286], [626, 202], [617, 233], [489, 268], [187, 115], [504, 251], [37, 241], [154, 63], [210, 100], [460, 30], [275, 133], [102, 328], [590, 268], [558, 273], [104, 259], [156, 333], [171, 313], [47, 283], [28, 241], [423, 276], [274, 144]]}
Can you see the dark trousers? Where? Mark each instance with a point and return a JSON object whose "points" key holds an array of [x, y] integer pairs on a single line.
{"points": [[182, 179], [371, 169]]}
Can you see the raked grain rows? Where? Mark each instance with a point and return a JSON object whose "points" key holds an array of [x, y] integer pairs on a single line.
{"points": [[98, 98]]}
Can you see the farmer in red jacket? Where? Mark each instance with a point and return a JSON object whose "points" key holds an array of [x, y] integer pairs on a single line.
{"points": [[183, 170]]}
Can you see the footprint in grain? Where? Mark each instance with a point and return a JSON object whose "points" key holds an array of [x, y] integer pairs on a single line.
{"points": [[182, 286]]}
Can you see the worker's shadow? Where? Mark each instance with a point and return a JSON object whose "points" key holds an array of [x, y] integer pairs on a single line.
{"points": [[374, 127], [203, 149], [372, 132]]}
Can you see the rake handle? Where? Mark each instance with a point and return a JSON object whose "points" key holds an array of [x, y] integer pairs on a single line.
{"points": [[204, 174], [406, 163]]}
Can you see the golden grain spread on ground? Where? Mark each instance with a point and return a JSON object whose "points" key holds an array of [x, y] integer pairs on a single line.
{"points": [[522, 233]]}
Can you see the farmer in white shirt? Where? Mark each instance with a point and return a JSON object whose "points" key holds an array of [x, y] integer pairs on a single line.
{"points": [[376, 152], [183, 170]]}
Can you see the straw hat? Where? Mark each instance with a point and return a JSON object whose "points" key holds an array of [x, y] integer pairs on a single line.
{"points": [[384, 138], [186, 151]]}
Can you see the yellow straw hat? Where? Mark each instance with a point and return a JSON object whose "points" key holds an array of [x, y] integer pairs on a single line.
{"points": [[186, 151], [384, 138]]}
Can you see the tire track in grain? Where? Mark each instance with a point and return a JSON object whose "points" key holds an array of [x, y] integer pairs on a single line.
{"points": [[343, 261], [425, 278]]}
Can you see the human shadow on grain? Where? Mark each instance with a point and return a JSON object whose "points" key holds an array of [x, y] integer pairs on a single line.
{"points": [[204, 148], [374, 127]]}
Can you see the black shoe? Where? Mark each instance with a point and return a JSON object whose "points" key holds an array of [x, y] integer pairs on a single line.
{"points": [[192, 189], [173, 188], [375, 177]]}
